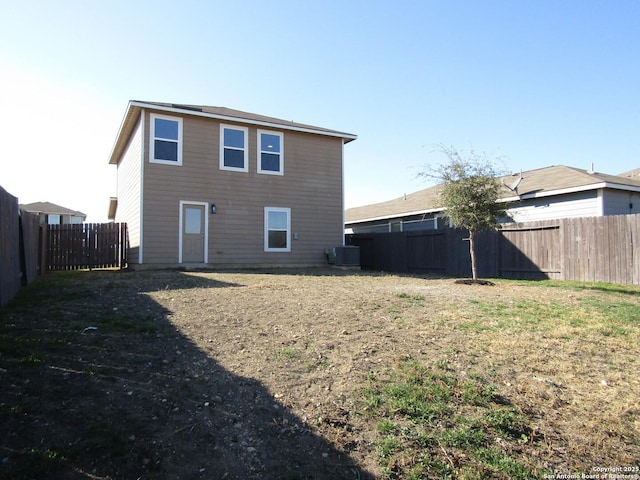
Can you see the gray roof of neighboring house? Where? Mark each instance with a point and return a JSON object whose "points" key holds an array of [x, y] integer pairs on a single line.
{"points": [[548, 181], [221, 113], [631, 173], [49, 208]]}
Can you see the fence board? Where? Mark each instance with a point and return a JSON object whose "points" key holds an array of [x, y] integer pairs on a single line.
{"points": [[19, 247], [487, 245], [593, 249], [634, 241], [9, 247], [30, 246], [595, 255], [87, 245], [569, 246], [613, 226], [424, 251], [529, 251]]}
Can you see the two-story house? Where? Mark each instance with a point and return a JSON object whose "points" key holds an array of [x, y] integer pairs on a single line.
{"points": [[217, 187]]}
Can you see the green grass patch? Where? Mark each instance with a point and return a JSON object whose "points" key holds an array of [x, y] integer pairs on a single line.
{"points": [[478, 393], [607, 288], [466, 435], [522, 314], [287, 353], [496, 460], [412, 299], [429, 422], [622, 313], [507, 421], [611, 314]]}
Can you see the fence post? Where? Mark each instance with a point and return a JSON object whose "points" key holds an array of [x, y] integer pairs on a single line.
{"points": [[9, 247]]}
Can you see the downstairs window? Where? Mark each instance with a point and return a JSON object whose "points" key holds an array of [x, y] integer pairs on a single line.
{"points": [[277, 229]]}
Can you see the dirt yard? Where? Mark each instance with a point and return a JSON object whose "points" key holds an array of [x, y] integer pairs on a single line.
{"points": [[290, 375]]}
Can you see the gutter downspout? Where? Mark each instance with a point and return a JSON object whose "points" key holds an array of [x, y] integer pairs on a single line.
{"points": [[143, 149], [342, 227]]}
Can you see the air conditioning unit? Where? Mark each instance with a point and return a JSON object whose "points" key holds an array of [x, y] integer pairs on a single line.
{"points": [[345, 256]]}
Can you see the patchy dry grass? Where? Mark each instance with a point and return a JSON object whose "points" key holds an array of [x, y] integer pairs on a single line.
{"points": [[317, 374]]}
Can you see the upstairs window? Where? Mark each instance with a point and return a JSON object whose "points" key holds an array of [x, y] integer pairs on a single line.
{"points": [[277, 229], [270, 158], [233, 148], [166, 140]]}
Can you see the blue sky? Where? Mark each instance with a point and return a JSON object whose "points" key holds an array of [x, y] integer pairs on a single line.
{"points": [[535, 83]]}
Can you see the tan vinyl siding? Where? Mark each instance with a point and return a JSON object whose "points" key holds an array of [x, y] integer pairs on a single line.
{"points": [[129, 191], [311, 187]]}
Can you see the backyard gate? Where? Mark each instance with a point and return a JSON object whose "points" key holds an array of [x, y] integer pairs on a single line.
{"points": [[87, 245]]}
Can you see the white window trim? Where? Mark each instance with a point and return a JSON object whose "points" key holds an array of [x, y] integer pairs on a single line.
{"points": [[266, 229], [260, 151], [152, 138], [245, 150]]}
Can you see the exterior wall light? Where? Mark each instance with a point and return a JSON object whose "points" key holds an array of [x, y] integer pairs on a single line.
{"points": [[214, 209]]}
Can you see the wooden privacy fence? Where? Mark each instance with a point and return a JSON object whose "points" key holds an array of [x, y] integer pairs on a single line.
{"points": [[20, 247], [594, 249], [29, 248], [87, 245]]}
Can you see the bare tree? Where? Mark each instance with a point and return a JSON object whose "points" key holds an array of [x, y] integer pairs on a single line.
{"points": [[470, 190]]}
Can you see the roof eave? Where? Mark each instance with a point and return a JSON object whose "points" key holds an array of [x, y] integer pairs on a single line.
{"points": [[347, 137], [565, 191], [135, 106], [396, 215], [123, 133], [113, 206]]}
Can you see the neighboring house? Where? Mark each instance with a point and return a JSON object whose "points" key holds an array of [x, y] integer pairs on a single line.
{"points": [[542, 194], [635, 173], [213, 186], [53, 214]]}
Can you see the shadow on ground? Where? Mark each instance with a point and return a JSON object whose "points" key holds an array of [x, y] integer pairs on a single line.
{"points": [[96, 382]]}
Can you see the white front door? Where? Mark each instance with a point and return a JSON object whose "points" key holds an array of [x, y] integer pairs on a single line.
{"points": [[193, 231]]}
